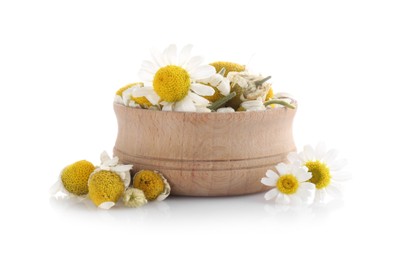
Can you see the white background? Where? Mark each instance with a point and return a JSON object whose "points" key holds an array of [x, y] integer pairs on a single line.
{"points": [[60, 64]]}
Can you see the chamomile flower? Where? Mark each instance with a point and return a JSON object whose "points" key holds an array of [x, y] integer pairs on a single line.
{"points": [[134, 198], [289, 185], [108, 182], [153, 184], [73, 179], [124, 96], [325, 169], [172, 80]]}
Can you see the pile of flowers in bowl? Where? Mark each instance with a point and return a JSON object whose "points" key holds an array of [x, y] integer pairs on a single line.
{"points": [[178, 81]]}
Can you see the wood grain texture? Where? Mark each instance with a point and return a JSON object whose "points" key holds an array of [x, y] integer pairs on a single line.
{"points": [[205, 154]]}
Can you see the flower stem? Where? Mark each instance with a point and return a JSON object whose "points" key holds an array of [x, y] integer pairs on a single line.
{"points": [[260, 82], [279, 102], [222, 71], [220, 102]]}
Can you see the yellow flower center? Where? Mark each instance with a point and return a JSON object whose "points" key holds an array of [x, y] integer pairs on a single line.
{"points": [[75, 177], [150, 183], [321, 175], [270, 94], [287, 184], [171, 83], [105, 186]]}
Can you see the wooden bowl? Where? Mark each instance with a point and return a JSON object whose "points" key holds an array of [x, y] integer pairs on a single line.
{"points": [[205, 154]]}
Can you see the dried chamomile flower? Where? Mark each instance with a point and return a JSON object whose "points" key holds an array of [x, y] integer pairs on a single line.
{"points": [[108, 182], [124, 96], [73, 180], [228, 66], [252, 105], [153, 184], [247, 87], [105, 188], [134, 198]]}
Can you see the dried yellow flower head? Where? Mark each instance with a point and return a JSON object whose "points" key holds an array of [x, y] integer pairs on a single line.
{"points": [[229, 66], [134, 198], [75, 177], [248, 87], [105, 186], [150, 182]]}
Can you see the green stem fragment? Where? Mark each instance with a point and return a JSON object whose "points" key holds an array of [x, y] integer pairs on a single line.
{"points": [[220, 102], [222, 72], [279, 102], [260, 82]]}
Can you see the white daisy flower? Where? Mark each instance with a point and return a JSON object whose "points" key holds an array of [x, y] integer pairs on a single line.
{"points": [[289, 185], [172, 80], [124, 96], [325, 169]]}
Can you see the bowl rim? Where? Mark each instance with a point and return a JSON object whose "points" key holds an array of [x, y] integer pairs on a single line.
{"points": [[212, 114]]}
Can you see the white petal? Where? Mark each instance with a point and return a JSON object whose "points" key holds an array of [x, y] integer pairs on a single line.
{"points": [[320, 195], [193, 63], [153, 98], [224, 87], [149, 67], [330, 156], [308, 185], [202, 109], [337, 165], [106, 205], [225, 110], [295, 199], [202, 90], [304, 193], [309, 153], [282, 199], [269, 181], [271, 194], [302, 175], [202, 72], [320, 151], [282, 168], [185, 54], [167, 106], [157, 58], [122, 168], [272, 174], [170, 54], [198, 99], [142, 92], [56, 187], [293, 157], [185, 105], [118, 99], [104, 157]]}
